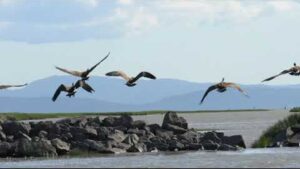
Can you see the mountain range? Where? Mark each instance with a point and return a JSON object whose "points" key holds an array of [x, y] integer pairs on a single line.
{"points": [[163, 94]]}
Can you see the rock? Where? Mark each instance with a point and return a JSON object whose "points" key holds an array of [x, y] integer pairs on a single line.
{"points": [[165, 134], [139, 124], [114, 151], [79, 133], [43, 134], [123, 120], [159, 143], [172, 118], [103, 133], [2, 136], [236, 140], [211, 146], [194, 146], [131, 139], [140, 147], [40, 126], [175, 145], [175, 129], [6, 149], [42, 148], [280, 137], [117, 136], [226, 147], [95, 145], [190, 136], [10, 139], [75, 122], [61, 146], [21, 135], [211, 136], [10, 127], [114, 144], [293, 130], [91, 132], [153, 127], [136, 131]]}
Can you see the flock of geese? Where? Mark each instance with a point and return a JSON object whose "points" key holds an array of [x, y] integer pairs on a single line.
{"points": [[132, 81]]}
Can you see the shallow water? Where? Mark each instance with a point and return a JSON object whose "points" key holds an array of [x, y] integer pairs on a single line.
{"points": [[276, 157], [249, 124]]}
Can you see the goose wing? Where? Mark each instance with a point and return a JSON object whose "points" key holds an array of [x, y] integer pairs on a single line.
{"points": [[8, 86], [211, 88], [84, 85], [143, 74], [92, 68], [58, 91], [235, 86], [281, 73], [71, 72], [119, 73]]}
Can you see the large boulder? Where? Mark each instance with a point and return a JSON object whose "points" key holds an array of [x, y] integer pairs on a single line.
{"points": [[103, 132], [140, 147], [175, 145], [210, 145], [173, 119], [236, 140], [131, 139], [153, 127], [2, 136], [159, 143], [123, 120], [6, 149], [61, 146], [40, 126], [117, 136], [190, 136], [140, 124], [11, 127], [211, 136], [138, 132], [41, 148], [165, 134]]}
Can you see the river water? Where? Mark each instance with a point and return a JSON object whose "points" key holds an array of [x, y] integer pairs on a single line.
{"points": [[249, 124]]}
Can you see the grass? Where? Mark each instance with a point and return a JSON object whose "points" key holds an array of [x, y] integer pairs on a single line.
{"points": [[268, 136], [35, 116], [295, 109]]}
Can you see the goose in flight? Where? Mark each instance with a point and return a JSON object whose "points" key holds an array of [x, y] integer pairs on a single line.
{"points": [[222, 87], [295, 71], [9, 86], [84, 75], [71, 90], [131, 81]]}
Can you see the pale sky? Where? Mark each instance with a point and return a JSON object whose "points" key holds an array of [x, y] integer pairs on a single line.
{"points": [[196, 40]]}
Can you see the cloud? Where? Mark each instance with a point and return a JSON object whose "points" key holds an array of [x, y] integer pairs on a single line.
{"points": [[64, 20]]}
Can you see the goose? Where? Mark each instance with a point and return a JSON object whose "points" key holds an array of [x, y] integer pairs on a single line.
{"points": [[222, 87], [131, 81], [71, 90], [295, 71], [84, 75], [9, 86]]}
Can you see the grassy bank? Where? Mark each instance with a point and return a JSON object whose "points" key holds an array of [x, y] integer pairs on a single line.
{"points": [[34, 116], [268, 136]]}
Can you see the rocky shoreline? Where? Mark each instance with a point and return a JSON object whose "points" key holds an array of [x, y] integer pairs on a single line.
{"points": [[108, 136]]}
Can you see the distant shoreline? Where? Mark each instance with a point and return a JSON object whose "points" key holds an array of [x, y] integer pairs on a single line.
{"points": [[37, 116]]}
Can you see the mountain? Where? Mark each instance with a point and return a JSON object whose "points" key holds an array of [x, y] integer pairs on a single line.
{"points": [[163, 94]]}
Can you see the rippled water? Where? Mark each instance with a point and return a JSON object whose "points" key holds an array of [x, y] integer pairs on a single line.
{"points": [[276, 157], [249, 124]]}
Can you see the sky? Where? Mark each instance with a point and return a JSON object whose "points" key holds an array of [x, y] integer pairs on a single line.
{"points": [[244, 41]]}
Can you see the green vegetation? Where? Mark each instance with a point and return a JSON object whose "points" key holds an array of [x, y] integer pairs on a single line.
{"points": [[295, 109], [35, 116], [268, 136]]}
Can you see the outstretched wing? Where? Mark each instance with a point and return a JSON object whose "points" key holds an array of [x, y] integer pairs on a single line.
{"points": [[8, 86], [119, 73], [84, 85], [211, 88], [92, 68], [233, 85], [71, 72], [143, 74], [58, 91], [273, 77]]}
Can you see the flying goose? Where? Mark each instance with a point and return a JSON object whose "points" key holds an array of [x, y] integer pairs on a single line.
{"points": [[222, 87], [71, 90], [9, 86], [295, 71], [130, 81], [84, 75]]}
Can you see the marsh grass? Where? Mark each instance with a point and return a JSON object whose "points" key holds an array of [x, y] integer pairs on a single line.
{"points": [[268, 136]]}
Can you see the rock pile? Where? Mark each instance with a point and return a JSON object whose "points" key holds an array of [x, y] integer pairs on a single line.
{"points": [[287, 138], [110, 135]]}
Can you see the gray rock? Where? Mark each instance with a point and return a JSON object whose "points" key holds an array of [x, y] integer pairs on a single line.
{"points": [[10, 139], [226, 147], [172, 118], [140, 147], [42, 148], [236, 140], [194, 146], [159, 143], [165, 134], [138, 132], [190, 136], [211, 136], [211, 146], [6, 149], [117, 136], [2, 136], [103, 133], [95, 145], [10, 127], [114, 151], [21, 135], [131, 139], [61, 146], [123, 120], [175, 145], [175, 129], [139, 124], [40, 126], [43, 134], [153, 127]]}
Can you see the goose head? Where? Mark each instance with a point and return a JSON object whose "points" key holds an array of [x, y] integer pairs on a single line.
{"points": [[295, 64]]}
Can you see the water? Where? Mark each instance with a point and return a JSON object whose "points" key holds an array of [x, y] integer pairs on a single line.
{"points": [[276, 157], [249, 124]]}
